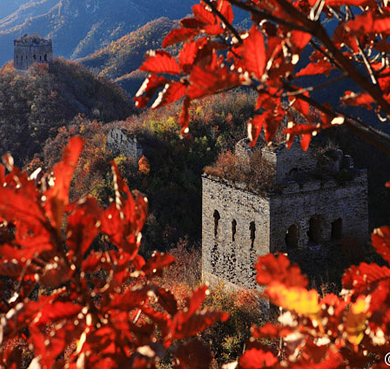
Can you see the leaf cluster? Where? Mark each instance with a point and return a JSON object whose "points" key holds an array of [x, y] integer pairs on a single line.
{"points": [[94, 308]]}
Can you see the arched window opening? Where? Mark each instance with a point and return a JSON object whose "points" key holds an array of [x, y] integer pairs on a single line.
{"points": [[315, 230], [35, 57], [45, 57], [216, 222], [252, 228], [292, 237], [21, 58], [40, 57], [234, 229], [337, 229]]}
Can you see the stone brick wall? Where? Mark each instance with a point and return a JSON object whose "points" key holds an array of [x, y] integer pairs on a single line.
{"points": [[230, 251], [120, 142], [320, 212], [289, 162], [238, 225], [31, 49]]}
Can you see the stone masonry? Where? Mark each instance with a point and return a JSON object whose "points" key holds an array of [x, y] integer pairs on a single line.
{"points": [[238, 225], [120, 141], [31, 49]]}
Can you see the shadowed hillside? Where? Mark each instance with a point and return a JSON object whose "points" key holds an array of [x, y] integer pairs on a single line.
{"points": [[34, 105]]}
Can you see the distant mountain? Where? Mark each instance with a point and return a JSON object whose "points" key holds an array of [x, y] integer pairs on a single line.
{"points": [[80, 27], [120, 60], [35, 105], [7, 7]]}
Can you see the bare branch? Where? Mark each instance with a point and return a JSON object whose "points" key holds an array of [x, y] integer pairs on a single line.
{"points": [[314, 88], [366, 63]]}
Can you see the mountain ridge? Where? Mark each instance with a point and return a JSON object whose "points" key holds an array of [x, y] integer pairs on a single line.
{"points": [[80, 27]]}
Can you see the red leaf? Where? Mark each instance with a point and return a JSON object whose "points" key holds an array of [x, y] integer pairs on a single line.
{"points": [[271, 268], [157, 262], [299, 40], [191, 23], [83, 226], [203, 15], [357, 99], [21, 206], [195, 301], [57, 311], [254, 359], [254, 52], [226, 10], [122, 222], [185, 116], [10, 269], [185, 327], [2, 174], [213, 30], [255, 125], [57, 197], [346, 2], [211, 80], [369, 22], [361, 278], [178, 35], [167, 300], [148, 89], [302, 130], [173, 91], [320, 67], [189, 52], [160, 62], [381, 241], [269, 330]]}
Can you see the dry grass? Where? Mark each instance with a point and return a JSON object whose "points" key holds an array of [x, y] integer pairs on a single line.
{"points": [[257, 173]]}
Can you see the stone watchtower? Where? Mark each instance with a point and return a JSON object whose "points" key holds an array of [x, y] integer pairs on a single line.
{"points": [[31, 49], [306, 208]]}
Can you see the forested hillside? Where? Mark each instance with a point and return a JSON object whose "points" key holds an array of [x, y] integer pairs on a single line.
{"points": [[35, 105], [121, 59], [79, 27]]}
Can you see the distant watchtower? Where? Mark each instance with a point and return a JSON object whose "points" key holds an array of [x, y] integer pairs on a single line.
{"points": [[31, 49]]}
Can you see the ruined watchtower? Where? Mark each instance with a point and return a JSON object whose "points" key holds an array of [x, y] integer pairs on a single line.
{"points": [[316, 199], [31, 49]]}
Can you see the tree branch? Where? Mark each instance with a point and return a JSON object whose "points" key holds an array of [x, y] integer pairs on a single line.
{"points": [[266, 15], [378, 139], [224, 20], [319, 32]]}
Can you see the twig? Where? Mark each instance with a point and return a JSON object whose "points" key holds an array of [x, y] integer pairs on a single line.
{"points": [[268, 16], [319, 32], [378, 139], [367, 63], [323, 52], [224, 20], [314, 88]]}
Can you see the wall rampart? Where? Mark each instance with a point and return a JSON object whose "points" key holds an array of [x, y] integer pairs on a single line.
{"points": [[32, 49], [235, 231], [120, 142], [319, 212]]}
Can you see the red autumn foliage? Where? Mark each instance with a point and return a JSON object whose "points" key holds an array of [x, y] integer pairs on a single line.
{"points": [[84, 315], [72, 306], [216, 56]]}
